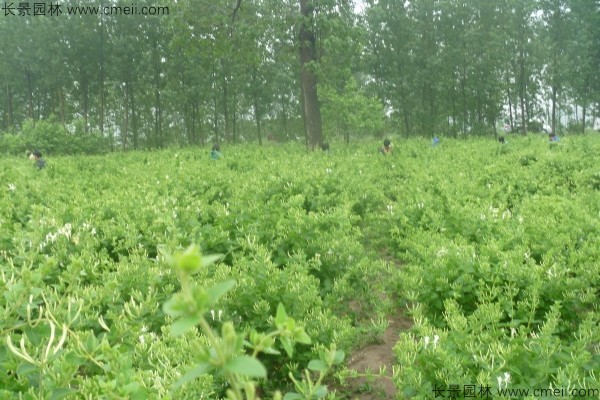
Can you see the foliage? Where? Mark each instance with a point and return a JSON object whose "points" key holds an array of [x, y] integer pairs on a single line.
{"points": [[51, 137], [495, 254], [351, 110], [197, 74], [85, 234]]}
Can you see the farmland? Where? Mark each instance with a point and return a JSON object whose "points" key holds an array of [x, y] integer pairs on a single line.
{"points": [[493, 251]]}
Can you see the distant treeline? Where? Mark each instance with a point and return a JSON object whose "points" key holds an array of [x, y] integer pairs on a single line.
{"points": [[229, 71]]}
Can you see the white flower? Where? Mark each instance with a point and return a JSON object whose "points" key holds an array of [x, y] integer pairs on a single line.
{"points": [[11, 187], [220, 313], [51, 237], [65, 231], [436, 339], [503, 379], [212, 313], [426, 340], [103, 324], [142, 339]]}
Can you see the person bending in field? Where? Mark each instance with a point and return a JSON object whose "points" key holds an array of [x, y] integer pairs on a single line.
{"points": [[39, 161], [502, 140], [553, 138], [215, 153], [387, 147]]}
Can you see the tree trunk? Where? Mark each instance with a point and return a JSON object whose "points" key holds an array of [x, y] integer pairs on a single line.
{"points": [[510, 106], [215, 107], [9, 102], [134, 130], [554, 95], [61, 99], [284, 116], [522, 92], [234, 118], [257, 117], [158, 135], [226, 107], [29, 94], [101, 75], [308, 78], [125, 132], [583, 112]]}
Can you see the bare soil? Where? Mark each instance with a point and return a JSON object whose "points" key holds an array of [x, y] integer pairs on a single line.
{"points": [[372, 358]]}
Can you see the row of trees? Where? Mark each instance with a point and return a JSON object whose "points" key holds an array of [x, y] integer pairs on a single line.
{"points": [[255, 69], [461, 64]]}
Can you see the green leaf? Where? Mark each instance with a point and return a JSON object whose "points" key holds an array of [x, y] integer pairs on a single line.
{"points": [[320, 392], [292, 396], [199, 370], [183, 325], [217, 291], [172, 307], [61, 393], [339, 357], [211, 259], [246, 365], [131, 387], [26, 368], [287, 345], [317, 365], [301, 337], [189, 261], [270, 350], [281, 316]]}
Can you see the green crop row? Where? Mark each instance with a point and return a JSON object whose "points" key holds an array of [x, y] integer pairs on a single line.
{"points": [[495, 250]]}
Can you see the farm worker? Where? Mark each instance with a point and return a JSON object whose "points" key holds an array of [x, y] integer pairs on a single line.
{"points": [[553, 138], [435, 141], [501, 140], [215, 153], [39, 161], [387, 147]]}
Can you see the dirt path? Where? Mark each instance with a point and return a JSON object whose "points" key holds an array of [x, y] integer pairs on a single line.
{"points": [[373, 357]]}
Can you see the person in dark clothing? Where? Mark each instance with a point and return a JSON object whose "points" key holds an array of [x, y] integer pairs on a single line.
{"points": [[39, 161], [387, 147], [215, 153]]}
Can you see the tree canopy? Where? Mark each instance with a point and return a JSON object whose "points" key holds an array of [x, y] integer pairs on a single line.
{"points": [[193, 72]]}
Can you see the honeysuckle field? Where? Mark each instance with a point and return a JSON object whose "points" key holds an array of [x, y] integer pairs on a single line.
{"points": [[494, 250]]}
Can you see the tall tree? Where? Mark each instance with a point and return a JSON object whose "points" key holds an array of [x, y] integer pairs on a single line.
{"points": [[308, 76]]}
